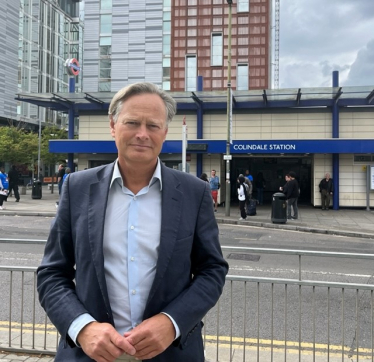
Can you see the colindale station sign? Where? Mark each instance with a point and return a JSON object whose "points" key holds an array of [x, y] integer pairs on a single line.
{"points": [[251, 147]]}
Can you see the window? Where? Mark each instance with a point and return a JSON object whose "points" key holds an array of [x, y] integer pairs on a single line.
{"points": [[191, 73], [217, 49], [242, 77], [105, 24], [105, 68], [105, 4], [104, 86], [105, 46], [243, 6]]}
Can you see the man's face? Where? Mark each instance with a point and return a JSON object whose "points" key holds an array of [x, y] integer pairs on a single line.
{"points": [[213, 173], [140, 129]]}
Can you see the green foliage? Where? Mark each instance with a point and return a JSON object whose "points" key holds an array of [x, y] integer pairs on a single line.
{"points": [[18, 146], [51, 133]]}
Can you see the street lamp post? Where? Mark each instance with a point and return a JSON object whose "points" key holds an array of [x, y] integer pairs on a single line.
{"points": [[229, 118]]}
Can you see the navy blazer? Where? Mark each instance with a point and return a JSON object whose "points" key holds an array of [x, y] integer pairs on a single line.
{"points": [[190, 272]]}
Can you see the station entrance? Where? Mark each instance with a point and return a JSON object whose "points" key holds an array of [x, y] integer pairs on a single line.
{"points": [[274, 170]]}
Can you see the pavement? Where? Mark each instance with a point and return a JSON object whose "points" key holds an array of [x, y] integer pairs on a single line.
{"points": [[345, 222], [356, 222]]}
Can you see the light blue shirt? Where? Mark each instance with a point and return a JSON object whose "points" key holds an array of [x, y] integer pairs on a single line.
{"points": [[132, 232], [214, 182]]}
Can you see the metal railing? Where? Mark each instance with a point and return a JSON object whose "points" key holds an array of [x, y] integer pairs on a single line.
{"points": [[256, 319]]}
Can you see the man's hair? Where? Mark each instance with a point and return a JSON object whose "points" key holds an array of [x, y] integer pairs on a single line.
{"points": [[292, 174], [141, 88], [214, 170]]}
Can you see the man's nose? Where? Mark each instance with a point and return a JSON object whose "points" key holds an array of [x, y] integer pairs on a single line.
{"points": [[142, 131]]}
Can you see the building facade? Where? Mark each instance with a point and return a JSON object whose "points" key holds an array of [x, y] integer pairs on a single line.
{"points": [[199, 44], [50, 31], [170, 43], [8, 57]]}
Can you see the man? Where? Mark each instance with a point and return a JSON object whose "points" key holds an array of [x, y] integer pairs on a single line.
{"points": [[326, 188], [133, 262], [291, 190], [214, 186], [13, 182], [60, 176]]}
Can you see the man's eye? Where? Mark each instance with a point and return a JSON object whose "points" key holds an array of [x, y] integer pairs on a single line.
{"points": [[154, 126], [131, 123]]}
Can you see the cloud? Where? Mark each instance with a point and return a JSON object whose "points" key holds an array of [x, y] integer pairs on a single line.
{"points": [[319, 36], [362, 70]]}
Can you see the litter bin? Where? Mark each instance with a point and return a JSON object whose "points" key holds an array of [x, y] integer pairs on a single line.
{"points": [[279, 208], [36, 189]]}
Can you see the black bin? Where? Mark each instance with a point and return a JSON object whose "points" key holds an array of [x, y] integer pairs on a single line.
{"points": [[279, 208], [36, 190]]}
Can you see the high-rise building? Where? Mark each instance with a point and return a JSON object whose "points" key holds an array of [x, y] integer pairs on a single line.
{"points": [[9, 12], [50, 31], [199, 44], [122, 43], [170, 43]]}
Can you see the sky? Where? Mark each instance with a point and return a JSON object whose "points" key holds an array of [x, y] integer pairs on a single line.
{"points": [[320, 36]]}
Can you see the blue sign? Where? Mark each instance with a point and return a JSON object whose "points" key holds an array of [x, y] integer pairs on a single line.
{"points": [[237, 147]]}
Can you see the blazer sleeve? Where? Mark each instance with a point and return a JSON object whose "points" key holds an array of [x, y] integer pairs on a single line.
{"points": [[56, 274], [208, 269]]}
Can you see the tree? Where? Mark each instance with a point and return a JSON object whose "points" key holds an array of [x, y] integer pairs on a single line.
{"points": [[18, 146], [50, 133]]}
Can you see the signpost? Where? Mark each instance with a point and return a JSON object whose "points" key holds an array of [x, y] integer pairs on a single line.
{"points": [[73, 68]]}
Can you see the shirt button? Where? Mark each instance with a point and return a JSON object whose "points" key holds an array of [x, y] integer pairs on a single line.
{"points": [[133, 291], [134, 197], [132, 227], [132, 258]]}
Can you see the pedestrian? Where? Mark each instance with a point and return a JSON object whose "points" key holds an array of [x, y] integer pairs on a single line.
{"points": [[260, 185], [248, 176], [242, 197], [326, 188], [60, 176], [13, 182], [248, 181], [291, 190], [133, 261], [204, 177], [67, 173], [214, 187], [284, 188], [4, 186]]}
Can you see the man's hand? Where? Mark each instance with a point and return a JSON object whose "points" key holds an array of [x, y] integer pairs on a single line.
{"points": [[103, 343], [152, 336]]}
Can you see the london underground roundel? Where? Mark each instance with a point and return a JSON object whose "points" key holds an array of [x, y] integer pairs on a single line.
{"points": [[73, 67]]}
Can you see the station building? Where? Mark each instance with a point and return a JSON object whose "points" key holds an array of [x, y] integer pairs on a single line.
{"points": [[309, 131]]}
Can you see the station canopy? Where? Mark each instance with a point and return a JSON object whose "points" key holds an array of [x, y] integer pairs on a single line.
{"points": [[214, 100]]}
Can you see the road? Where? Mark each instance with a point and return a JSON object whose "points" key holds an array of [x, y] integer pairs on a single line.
{"points": [[311, 314]]}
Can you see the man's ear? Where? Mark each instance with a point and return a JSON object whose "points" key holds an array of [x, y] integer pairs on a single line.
{"points": [[111, 125]]}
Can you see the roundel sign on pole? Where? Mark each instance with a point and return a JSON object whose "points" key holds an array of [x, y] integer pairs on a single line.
{"points": [[72, 66]]}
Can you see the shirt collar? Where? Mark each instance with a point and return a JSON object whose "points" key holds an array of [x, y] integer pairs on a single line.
{"points": [[156, 175]]}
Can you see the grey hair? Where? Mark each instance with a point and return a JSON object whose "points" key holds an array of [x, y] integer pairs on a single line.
{"points": [[141, 88]]}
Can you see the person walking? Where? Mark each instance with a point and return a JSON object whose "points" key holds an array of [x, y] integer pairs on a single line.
{"points": [[60, 176], [326, 188], [214, 187], [4, 186], [133, 260], [13, 182]]}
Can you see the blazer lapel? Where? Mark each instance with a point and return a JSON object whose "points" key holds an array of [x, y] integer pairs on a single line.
{"points": [[170, 218], [98, 197]]}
